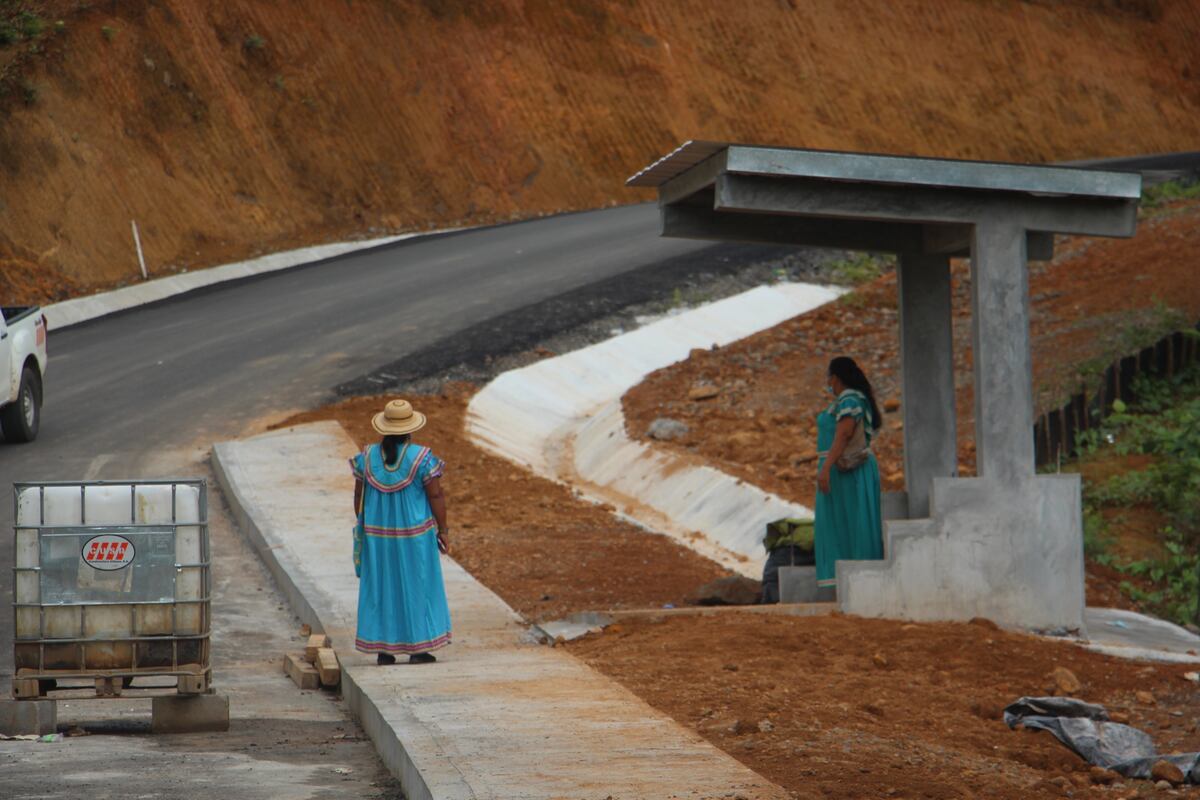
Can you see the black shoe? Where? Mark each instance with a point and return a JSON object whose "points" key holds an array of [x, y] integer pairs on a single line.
{"points": [[422, 658], [385, 658]]}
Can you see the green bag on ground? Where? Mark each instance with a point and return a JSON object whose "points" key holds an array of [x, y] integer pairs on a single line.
{"points": [[789, 531]]}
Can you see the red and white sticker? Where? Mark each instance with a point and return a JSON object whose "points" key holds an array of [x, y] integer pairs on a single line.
{"points": [[108, 552]]}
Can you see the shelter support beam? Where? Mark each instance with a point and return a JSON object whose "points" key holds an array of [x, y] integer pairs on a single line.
{"points": [[1003, 363], [927, 358]]}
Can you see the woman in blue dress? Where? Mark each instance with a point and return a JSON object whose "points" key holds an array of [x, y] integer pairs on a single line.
{"points": [[401, 528], [848, 520]]}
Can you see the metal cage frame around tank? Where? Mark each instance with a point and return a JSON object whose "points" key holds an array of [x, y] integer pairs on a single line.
{"points": [[203, 602]]}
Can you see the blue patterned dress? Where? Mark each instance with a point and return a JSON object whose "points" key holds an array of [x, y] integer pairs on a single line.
{"points": [[401, 597], [848, 518]]}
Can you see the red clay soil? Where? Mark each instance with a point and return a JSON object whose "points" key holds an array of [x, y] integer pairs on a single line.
{"points": [[233, 128], [845, 707], [544, 551]]}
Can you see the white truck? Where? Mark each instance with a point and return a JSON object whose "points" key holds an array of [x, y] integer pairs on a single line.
{"points": [[22, 365]]}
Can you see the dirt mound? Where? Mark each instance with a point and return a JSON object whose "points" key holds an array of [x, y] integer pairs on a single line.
{"points": [[844, 707], [230, 129]]}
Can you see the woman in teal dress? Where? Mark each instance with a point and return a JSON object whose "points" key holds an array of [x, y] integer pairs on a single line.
{"points": [[848, 519], [400, 530]]}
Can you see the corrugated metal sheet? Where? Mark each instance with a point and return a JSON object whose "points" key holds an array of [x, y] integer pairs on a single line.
{"points": [[678, 161]]}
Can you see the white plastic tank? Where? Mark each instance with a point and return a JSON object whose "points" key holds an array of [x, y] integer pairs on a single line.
{"points": [[133, 613]]}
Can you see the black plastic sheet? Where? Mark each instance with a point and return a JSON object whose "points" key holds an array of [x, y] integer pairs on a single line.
{"points": [[1087, 730]]}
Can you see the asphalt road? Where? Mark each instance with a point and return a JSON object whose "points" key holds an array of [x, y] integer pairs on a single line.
{"points": [[137, 394]]}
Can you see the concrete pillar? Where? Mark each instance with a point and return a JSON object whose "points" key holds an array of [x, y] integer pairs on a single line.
{"points": [[1003, 364], [25, 717], [927, 358]]}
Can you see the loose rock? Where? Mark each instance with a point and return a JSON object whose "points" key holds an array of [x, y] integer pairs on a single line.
{"points": [[1102, 776], [665, 429], [1166, 771], [703, 391], [1065, 681], [1145, 698], [732, 590], [880, 660]]}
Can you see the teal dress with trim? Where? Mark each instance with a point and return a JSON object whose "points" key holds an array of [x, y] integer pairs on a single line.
{"points": [[401, 595], [849, 522]]}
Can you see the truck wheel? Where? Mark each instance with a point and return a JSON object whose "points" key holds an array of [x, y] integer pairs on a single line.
{"points": [[20, 419]]}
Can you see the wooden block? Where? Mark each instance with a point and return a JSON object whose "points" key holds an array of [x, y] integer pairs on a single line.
{"points": [[109, 687], [328, 667], [25, 688], [315, 643], [192, 684], [302, 673]]}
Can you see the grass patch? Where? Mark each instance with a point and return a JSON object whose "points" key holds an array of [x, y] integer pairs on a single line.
{"points": [[1163, 423], [1155, 197], [859, 269]]}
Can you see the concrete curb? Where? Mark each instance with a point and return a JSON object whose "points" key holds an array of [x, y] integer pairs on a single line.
{"points": [[497, 717], [295, 589], [82, 309], [562, 418]]}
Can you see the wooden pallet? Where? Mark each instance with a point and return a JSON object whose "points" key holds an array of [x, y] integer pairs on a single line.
{"points": [[107, 686]]}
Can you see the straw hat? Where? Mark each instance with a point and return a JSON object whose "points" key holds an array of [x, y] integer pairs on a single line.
{"points": [[397, 419]]}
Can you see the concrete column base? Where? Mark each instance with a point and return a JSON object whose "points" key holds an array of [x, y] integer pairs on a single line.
{"points": [[199, 713], [25, 717], [797, 584], [1011, 552]]}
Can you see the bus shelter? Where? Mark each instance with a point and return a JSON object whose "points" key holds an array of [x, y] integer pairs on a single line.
{"points": [[1008, 543]]}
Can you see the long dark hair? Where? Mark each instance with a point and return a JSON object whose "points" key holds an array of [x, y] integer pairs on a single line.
{"points": [[391, 447], [849, 373]]}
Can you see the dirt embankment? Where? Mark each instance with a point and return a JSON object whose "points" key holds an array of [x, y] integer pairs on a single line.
{"points": [[228, 129], [845, 707], [1097, 299]]}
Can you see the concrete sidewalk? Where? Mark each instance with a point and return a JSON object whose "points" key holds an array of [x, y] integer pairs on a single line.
{"points": [[495, 717]]}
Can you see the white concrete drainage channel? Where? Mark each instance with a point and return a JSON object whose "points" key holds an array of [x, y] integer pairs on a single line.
{"points": [[562, 418]]}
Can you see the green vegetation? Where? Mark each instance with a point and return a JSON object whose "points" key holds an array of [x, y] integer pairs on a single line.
{"points": [[254, 42], [1164, 423], [860, 268], [1127, 333], [30, 24], [108, 32], [1155, 197]]}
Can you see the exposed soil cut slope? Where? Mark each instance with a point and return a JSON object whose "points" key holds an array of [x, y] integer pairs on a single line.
{"points": [[227, 129]]}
